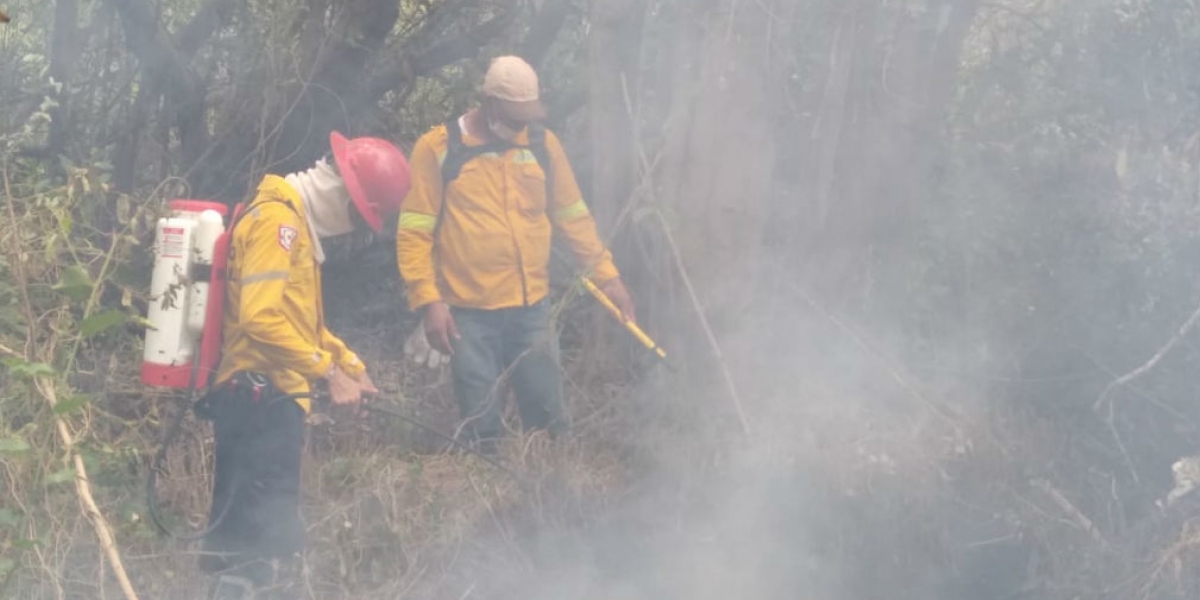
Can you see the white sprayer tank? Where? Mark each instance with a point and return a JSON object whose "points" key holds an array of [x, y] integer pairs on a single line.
{"points": [[183, 255]]}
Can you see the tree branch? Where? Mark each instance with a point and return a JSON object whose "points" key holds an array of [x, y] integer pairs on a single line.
{"points": [[544, 29], [147, 41], [211, 17], [447, 51], [1150, 364]]}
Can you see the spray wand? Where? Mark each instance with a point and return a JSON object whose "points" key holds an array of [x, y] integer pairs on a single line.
{"points": [[630, 325]]}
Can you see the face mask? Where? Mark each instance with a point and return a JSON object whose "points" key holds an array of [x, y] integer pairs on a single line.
{"points": [[501, 130], [327, 203]]}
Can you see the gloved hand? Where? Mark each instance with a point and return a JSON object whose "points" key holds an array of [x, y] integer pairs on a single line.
{"points": [[418, 350]]}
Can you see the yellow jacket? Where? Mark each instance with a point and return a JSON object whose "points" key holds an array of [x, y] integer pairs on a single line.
{"points": [[493, 246], [274, 321]]}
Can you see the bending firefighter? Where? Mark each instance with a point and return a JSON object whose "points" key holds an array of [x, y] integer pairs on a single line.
{"points": [[489, 189], [276, 344]]}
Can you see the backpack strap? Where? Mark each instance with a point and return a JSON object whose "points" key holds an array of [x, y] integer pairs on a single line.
{"points": [[537, 145], [239, 213], [452, 163], [458, 154], [219, 277]]}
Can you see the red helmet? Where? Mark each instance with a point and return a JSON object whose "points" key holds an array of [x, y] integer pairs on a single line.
{"points": [[375, 173]]}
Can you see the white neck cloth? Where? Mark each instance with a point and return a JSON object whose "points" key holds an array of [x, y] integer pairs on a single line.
{"points": [[327, 204]]}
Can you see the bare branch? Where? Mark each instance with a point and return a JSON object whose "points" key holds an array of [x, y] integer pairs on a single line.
{"points": [[544, 29], [208, 19], [1150, 364], [432, 57]]}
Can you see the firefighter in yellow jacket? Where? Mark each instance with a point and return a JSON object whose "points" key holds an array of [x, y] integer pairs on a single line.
{"points": [[473, 246], [276, 344]]}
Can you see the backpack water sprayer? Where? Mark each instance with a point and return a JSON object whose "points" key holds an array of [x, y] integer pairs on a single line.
{"points": [[187, 292]]}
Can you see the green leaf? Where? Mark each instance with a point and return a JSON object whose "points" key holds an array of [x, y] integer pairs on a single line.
{"points": [[6, 566], [142, 322], [75, 283], [51, 247], [71, 404], [66, 224], [13, 445], [9, 518], [60, 476], [10, 320], [99, 323], [27, 369]]}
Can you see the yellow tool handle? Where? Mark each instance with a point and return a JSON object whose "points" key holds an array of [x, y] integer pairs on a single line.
{"points": [[630, 325]]}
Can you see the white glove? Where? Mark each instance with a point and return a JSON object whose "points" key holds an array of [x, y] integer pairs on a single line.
{"points": [[418, 350]]}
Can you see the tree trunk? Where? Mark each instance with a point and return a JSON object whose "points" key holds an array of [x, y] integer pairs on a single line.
{"points": [[336, 85], [719, 153], [614, 45], [544, 30], [880, 133]]}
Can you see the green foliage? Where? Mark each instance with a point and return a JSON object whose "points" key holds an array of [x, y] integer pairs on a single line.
{"points": [[13, 445], [74, 283], [30, 370], [102, 322], [60, 476], [56, 282]]}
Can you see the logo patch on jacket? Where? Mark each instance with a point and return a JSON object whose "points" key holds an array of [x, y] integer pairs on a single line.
{"points": [[287, 236]]}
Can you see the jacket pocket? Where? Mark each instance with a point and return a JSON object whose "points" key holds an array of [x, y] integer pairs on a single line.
{"points": [[531, 184]]}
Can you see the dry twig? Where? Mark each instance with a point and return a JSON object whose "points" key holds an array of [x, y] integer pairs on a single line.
{"points": [[1106, 396], [1150, 364], [1072, 511], [83, 488], [712, 338]]}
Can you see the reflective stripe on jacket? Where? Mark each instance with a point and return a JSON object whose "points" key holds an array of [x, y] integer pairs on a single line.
{"points": [[274, 320], [493, 245]]}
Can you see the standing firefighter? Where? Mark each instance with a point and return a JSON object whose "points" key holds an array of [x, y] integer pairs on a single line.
{"points": [[276, 344], [474, 250]]}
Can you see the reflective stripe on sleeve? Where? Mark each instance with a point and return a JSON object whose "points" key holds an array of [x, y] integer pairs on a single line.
{"points": [[524, 157], [417, 221], [571, 212]]}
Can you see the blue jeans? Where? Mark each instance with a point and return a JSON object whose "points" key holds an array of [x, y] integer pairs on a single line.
{"points": [[513, 344]]}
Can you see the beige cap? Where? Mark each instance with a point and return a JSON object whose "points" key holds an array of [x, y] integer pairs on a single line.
{"points": [[511, 79]]}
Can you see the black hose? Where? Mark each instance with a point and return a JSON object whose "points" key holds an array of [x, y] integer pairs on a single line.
{"points": [[152, 481], [156, 465], [177, 425], [525, 484]]}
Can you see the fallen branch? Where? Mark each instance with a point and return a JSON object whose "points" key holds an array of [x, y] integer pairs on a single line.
{"points": [[1106, 396], [83, 488], [1077, 516], [1150, 364]]}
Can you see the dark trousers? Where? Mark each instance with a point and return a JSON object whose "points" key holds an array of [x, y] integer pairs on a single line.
{"points": [[256, 483], [513, 343]]}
